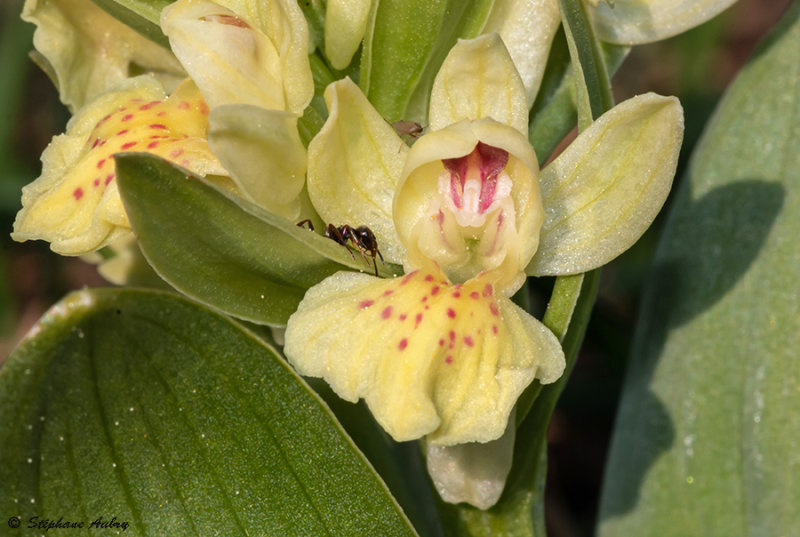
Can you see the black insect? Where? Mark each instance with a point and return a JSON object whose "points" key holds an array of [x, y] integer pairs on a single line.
{"points": [[361, 237], [407, 128]]}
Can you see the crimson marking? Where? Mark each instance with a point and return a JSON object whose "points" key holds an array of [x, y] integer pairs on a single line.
{"points": [[387, 312], [365, 304], [403, 344]]}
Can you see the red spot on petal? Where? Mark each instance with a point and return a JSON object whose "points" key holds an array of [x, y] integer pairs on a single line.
{"points": [[427, 306], [451, 313], [468, 341], [127, 117], [365, 304], [185, 163], [424, 299], [175, 153], [449, 360], [183, 105], [128, 145], [403, 344], [417, 320], [100, 163], [387, 312], [96, 143], [429, 277], [161, 114], [475, 294], [123, 131], [456, 294], [388, 292], [452, 335], [435, 290], [494, 329], [407, 278], [109, 178], [96, 182], [203, 108], [494, 309], [403, 316], [77, 193], [441, 343], [158, 126], [152, 145], [487, 291]]}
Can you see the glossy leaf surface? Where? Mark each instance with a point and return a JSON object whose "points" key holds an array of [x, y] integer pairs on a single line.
{"points": [[227, 253], [174, 419]]}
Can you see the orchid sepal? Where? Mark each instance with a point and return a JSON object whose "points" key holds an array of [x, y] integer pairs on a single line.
{"points": [[354, 164], [606, 188]]}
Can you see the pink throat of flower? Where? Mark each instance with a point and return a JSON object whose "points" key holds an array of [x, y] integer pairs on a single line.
{"points": [[484, 164]]}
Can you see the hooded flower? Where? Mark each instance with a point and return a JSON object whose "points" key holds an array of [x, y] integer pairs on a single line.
{"points": [[442, 352], [250, 61]]}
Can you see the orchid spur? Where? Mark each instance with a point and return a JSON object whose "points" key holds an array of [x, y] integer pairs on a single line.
{"points": [[442, 352]]}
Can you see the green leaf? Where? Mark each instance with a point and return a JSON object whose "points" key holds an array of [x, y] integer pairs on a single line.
{"points": [[144, 16], [227, 253], [154, 410], [405, 43], [592, 88], [708, 431], [553, 114]]}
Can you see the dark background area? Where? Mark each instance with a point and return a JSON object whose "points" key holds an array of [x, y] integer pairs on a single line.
{"points": [[696, 66]]}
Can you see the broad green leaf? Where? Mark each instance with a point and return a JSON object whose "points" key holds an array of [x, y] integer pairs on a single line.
{"points": [[229, 254], [708, 432], [174, 419], [405, 43]]}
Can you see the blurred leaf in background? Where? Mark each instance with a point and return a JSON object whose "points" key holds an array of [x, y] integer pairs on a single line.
{"points": [[708, 435]]}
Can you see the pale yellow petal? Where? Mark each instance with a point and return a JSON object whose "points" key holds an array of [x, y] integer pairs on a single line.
{"points": [[89, 50], [527, 28], [472, 473], [354, 164], [634, 22], [75, 204], [263, 153], [606, 188], [428, 357], [345, 24], [477, 80], [233, 61]]}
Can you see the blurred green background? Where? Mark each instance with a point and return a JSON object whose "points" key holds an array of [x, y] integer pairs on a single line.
{"points": [[696, 66]]}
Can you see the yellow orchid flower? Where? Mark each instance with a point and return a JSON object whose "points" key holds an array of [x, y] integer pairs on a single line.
{"points": [[442, 352], [250, 61], [75, 204]]}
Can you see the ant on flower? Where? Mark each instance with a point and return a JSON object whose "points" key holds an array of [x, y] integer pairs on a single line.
{"points": [[361, 237]]}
